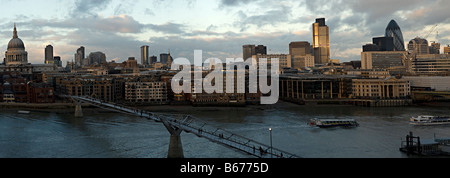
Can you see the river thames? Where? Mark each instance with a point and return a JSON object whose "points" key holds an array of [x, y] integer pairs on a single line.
{"points": [[103, 134]]}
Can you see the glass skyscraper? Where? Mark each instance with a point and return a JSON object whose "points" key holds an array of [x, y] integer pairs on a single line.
{"points": [[321, 41], [393, 30], [145, 55]]}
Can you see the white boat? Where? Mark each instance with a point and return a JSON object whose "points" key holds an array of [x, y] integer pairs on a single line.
{"points": [[324, 123], [23, 112], [429, 120]]}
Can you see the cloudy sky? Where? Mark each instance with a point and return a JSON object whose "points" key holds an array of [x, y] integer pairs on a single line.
{"points": [[218, 27]]}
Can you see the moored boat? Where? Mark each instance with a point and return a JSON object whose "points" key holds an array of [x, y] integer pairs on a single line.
{"points": [[429, 120], [325, 123]]}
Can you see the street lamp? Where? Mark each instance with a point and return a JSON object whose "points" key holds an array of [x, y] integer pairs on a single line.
{"points": [[271, 155]]}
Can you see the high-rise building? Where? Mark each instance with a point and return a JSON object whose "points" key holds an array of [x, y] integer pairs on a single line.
{"points": [[370, 47], [321, 41], [301, 55], [97, 58], [301, 48], [48, 54], [435, 48], [165, 58], [79, 56], [382, 59], [418, 46], [261, 49], [249, 50], [380, 44], [153, 59], [394, 31], [145, 55], [57, 61], [169, 60], [384, 43]]}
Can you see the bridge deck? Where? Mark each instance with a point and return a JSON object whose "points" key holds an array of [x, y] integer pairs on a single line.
{"points": [[193, 125]]}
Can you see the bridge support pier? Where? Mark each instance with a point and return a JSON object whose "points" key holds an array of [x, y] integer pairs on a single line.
{"points": [[78, 109], [175, 145]]}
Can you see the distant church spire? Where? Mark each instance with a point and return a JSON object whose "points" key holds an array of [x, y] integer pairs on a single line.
{"points": [[15, 31]]}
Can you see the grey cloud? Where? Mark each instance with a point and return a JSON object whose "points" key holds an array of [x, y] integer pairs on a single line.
{"points": [[433, 13], [122, 24], [382, 8], [211, 33], [233, 2], [211, 27], [124, 7], [88, 7], [113, 45], [169, 28], [272, 17], [149, 11]]}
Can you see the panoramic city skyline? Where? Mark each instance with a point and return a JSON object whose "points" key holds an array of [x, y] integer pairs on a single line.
{"points": [[313, 70], [219, 28]]}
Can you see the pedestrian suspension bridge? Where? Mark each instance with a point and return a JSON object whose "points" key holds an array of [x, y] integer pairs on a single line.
{"points": [[175, 124]]}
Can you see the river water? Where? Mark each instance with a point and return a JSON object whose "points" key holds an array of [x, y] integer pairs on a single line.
{"points": [[102, 134]]}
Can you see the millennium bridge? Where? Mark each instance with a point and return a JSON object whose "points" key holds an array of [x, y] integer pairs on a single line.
{"points": [[177, 123]]}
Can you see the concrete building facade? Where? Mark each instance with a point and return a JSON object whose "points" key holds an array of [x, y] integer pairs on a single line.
{"points": [[301, 55], [145, 92], [382, 59], [388, 88]]}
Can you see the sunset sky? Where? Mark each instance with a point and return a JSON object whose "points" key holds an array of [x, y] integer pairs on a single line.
{"points": [[219, 28]]}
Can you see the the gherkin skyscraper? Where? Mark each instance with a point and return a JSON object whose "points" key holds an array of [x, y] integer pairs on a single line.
{"points": [[393, 30]]}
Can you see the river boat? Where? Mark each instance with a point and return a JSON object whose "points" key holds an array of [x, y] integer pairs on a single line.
{"points": [[23, 112], [429, 120], [326, 123]]}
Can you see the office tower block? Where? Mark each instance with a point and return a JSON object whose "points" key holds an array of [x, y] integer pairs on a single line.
{"points": [[301, 48], [145, 55], [261, 49], [165, 58], [79, 56], [249, 50], [435, 48], [57, 61], [97, 58], [384, 43], [321, 41], [153, 59], [418, 46], [394, 31], [300, 53], [48, 54]]}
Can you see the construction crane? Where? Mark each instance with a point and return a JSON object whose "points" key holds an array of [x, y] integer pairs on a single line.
{"points": [[418, 46], [431, 31]]}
